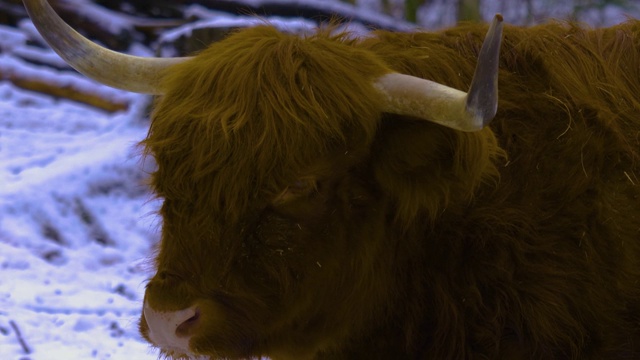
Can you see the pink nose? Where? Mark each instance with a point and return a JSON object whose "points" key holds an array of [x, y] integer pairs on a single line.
{"points": [[172, 330]]}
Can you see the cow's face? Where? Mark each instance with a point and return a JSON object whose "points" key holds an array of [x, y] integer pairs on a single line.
{"points": [[292, 274], [270, 235], [274, 236]]}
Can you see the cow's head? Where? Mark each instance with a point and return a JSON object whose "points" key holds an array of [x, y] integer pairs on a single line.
{"points": [[278, 184]]}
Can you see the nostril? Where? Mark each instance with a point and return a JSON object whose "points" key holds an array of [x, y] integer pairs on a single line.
{"points": [[186, 328]]}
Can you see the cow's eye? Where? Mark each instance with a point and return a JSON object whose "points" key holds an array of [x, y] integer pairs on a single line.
{"points": [[300, 187]]}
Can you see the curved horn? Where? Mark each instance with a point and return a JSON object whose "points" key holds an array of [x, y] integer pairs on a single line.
{"points": [[413, 96], [131, 73]]}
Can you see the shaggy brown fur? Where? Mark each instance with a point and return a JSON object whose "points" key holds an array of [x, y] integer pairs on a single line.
{"points": [[307, 224]]}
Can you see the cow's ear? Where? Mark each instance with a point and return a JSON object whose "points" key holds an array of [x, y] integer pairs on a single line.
{"points": [[425, 168]]}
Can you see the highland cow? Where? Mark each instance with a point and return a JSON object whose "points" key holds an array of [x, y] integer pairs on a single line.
{"points": [[329, 197]]}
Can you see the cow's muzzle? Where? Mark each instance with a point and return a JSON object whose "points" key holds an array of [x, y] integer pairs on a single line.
{"points": [[172, 330]]}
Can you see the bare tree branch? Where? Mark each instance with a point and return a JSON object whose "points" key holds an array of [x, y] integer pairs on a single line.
{"points": [[16, 330]]}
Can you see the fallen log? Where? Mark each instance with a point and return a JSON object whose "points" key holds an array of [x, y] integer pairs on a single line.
{"points": [[64, 86]]}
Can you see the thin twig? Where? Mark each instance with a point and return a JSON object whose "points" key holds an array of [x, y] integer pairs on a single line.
{"points": [[25, 347]]}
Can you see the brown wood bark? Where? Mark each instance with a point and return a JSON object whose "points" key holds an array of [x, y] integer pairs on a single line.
{"points": [[68, 91]]}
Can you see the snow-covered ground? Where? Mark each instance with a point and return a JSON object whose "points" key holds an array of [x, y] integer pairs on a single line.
{"points": [[77, 228], [77, 223]]}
